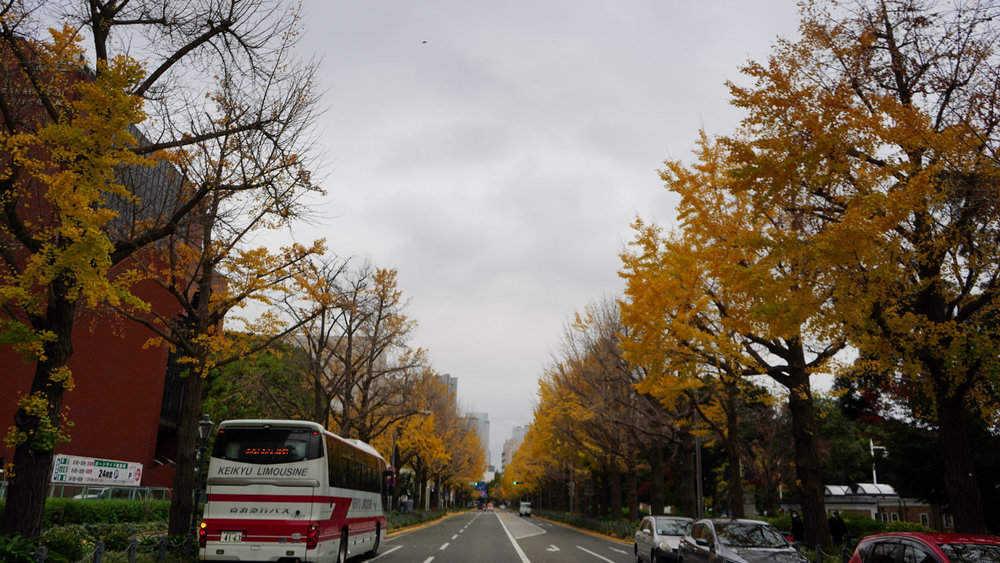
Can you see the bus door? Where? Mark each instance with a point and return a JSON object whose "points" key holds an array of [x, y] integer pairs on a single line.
{"points": [[261, 495]]}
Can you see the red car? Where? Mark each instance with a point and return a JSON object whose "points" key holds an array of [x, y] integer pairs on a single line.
{"points": [[927, 547]]}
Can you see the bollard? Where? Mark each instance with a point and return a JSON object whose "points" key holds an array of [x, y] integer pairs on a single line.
{"points": [[98, 551], [133, 545], [163, 548], [41, 553]]}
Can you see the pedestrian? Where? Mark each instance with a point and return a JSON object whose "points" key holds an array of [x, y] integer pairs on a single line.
{"points": [[838, 529], [798, 529]]}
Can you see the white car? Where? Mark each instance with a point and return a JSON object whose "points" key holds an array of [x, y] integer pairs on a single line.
{"points": [[658, 537], [94, 494], [525, 509]]}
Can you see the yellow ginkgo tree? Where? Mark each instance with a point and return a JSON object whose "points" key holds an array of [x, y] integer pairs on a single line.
{"points": [[57, 174], [693, 363], [874, 136], [742, 300]]}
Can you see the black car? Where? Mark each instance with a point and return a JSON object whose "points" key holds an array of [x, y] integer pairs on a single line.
{"points": [[713, 540]]}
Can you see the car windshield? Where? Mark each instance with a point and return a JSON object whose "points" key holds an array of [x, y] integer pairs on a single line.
{"points": [[971, 552], [669, 527], [739, 534]]}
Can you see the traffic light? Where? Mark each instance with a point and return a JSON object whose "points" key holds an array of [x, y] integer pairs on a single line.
{"points": [[517, 482]]}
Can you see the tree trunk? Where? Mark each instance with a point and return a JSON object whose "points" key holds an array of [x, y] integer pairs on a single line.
{"points": [[966, 502], [182, 501], [614, 489], [632, 490], [657, 492], [420, 479], [687, 484], [735, 480], [807, 465], [32, 471]]}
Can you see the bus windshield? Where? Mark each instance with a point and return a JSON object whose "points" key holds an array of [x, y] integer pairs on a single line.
{"points": [[267, 445]]}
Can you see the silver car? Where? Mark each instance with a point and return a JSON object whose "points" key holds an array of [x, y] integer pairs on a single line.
{"points": [[657, 538], [737, 541]]}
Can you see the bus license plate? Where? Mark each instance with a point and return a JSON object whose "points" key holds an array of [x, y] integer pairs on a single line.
{"points": [[231, 537]]}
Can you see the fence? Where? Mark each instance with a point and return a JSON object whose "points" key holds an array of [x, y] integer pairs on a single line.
{"points": [[178, 549], [159, 550]]}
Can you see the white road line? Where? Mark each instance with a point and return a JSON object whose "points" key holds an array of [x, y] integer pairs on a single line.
{"points": [[455, 537], [622, 551], [445, 546], [517, 548], [384, 553], [601, 557], [429, 559]]}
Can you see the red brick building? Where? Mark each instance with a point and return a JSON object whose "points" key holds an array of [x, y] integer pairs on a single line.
{"points": [[118, 405], [126, 398]]}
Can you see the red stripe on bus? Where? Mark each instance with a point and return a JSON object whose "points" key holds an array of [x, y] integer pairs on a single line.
{"points": [[309, 499]]}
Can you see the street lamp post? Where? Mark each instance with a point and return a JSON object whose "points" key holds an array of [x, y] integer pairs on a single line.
{"points": [[204, 430], [395, 476], [872, 447]]}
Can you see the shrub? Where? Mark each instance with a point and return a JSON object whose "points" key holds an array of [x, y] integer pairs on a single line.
{"points": [[66, 541], [117, 537], [906, 527], [859, 526], [16, 549]]}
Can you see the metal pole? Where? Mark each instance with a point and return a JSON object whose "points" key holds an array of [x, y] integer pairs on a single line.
{"points": [[197, 490], [395, 476], [699, 504]]}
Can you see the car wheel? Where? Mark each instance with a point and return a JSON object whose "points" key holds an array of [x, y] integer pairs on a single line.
{"points": [[635, 552], [652, 556]]}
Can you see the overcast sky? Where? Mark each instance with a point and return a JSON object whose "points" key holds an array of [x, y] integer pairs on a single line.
{"points": [[495, 154]]}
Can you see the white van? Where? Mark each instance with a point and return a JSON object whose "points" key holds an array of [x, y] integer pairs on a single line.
{"points": [[525, 509]]}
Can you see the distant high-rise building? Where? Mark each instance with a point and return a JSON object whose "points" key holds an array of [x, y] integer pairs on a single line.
{"points": [[511, 445], [451, 382], [482, 425]]}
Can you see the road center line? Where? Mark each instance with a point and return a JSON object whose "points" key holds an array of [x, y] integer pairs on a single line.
{"points": [[445, 546]]}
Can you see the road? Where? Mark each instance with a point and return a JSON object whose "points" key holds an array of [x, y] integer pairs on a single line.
{"points": [[487, 536]]}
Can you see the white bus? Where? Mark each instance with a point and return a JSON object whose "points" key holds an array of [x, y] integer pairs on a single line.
{"points": [[289, 490]]}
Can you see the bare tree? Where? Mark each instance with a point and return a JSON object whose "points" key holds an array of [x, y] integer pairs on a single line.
{"points": [[226, 111]]}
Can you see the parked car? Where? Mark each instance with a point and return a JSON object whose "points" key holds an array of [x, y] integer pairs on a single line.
{"points": [[927, 547], [94, 494], [524, 509], [657, 538], [736, 541]]}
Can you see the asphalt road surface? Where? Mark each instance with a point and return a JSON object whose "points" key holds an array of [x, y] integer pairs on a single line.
{"points": [[487, 536]]}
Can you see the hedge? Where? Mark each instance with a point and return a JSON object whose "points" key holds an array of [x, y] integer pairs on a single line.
{"points": [[65, 511]]}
